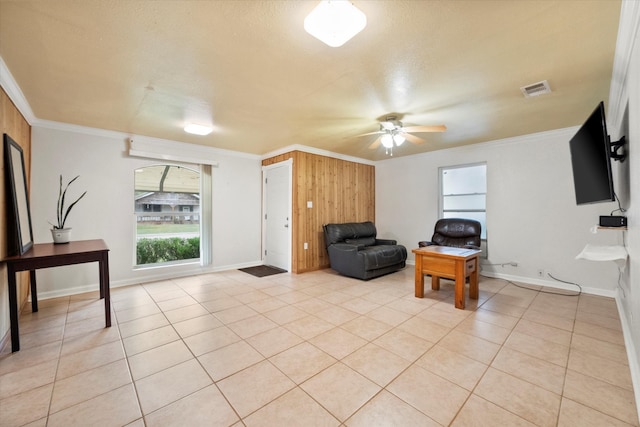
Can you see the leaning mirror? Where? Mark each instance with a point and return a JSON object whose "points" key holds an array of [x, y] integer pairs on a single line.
{"points": [[20, 234]]}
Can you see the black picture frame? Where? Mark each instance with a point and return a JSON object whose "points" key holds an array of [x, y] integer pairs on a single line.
{"points": [[19, 222]]}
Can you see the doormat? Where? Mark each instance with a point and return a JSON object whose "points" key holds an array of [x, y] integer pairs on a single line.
{"points": [[262, 270]]}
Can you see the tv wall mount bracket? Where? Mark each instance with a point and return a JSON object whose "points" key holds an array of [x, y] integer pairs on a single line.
{"points": [[619, 145]]}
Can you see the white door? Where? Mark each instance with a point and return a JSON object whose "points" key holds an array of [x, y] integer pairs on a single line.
{"points": [[277, 219]]}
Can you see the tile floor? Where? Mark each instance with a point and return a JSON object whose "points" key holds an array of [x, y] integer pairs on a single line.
{"points": [[318, 349]]}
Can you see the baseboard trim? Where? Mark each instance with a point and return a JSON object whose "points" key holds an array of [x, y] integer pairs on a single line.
{"points": [[155, 274], [5, 340], [610, 293], [634, 364], [552, 284]]}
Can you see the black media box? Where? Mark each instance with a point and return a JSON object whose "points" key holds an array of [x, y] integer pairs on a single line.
{"points": [[613, 221]]}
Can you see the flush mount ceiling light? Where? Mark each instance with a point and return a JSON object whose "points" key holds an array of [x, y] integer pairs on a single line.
{"points": [[198, 129], [334, 22]]}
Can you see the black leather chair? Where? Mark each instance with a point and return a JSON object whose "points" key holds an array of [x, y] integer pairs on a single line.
{"points": [[355, 251], [456, 232]]}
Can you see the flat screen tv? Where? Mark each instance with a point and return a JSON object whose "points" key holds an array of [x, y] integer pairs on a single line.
{"points": [[591, 160]]}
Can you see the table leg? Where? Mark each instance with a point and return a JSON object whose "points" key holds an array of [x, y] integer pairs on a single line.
{"points": [[460, 284], [101, 272], [435, 282], [104, 288], [13, 308], [34, 291], [419, 277], [473, 281]]}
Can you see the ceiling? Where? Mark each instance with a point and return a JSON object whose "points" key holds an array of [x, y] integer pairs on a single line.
{"points": [[249, 69]]}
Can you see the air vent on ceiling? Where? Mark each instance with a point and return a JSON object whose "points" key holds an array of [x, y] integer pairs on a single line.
{"points": [[536, 89]]}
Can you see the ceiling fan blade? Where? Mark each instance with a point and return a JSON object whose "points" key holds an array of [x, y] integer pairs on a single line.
{"points": [[418, 129], [370, 133], [375, 144], [412, 138]]}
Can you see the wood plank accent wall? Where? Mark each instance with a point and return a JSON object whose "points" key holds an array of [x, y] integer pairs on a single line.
{"points": [[341, 191], [13, 123]]}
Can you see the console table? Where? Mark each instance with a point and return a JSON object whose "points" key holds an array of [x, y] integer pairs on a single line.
{"points": [[45, 255], [450, 263]]}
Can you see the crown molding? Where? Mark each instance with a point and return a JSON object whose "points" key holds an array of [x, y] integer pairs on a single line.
{"points": [[17, 97], [618, 96], [85, 130], [514, 140], [15, 94], [12, 89], [318, 151]]}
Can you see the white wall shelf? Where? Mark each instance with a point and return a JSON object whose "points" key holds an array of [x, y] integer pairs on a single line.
{"points": [[603, 253]]}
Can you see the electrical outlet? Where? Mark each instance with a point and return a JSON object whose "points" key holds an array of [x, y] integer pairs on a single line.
{"points": [[540, 273], [306, 245]]}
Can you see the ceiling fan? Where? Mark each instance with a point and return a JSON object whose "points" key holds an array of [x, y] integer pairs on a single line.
{"points": [[392, 132]]}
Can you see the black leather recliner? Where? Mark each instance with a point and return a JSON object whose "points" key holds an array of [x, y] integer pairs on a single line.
{"points": [[456, 232], [355, 251]]}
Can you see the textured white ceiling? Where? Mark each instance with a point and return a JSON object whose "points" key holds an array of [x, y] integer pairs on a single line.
{"points": [[248, 67]]}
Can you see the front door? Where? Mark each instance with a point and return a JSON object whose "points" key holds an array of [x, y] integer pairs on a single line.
{"points": [[277, 191]]}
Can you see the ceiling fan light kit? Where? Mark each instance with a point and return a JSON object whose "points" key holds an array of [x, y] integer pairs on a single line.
{"points": [[334, 22], [398, 139], [392, 131], [387, 140]]}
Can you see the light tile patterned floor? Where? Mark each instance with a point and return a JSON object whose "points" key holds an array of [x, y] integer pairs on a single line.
{"points": [[318, 349]]}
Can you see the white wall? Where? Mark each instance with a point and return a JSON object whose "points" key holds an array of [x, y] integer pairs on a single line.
{"points": [[106, 212], [629, 172], [531, 214], [532, 217]]}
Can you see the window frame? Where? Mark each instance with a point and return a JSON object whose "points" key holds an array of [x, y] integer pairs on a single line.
{"points": [[441, 197], [205, 184]]}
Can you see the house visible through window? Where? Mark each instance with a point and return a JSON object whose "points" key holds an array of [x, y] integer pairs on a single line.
{"points": [[463, 194], [167, 210]]}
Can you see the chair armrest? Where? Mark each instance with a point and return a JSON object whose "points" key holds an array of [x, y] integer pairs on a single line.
{"points": [[346, 247], [471, 247], [386, 242]]}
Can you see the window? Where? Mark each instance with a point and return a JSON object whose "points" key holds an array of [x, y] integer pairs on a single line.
{"points": [[167, 210], [463, 193]]}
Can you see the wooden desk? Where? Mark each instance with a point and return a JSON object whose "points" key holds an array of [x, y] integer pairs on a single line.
{"points": [[450, 263], [45, 255]]}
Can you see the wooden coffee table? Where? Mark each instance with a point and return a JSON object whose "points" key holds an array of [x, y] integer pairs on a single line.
{"points": [[450, 263]]}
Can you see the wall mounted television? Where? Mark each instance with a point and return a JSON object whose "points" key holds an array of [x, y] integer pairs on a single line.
{"points": [[591, 154]]}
